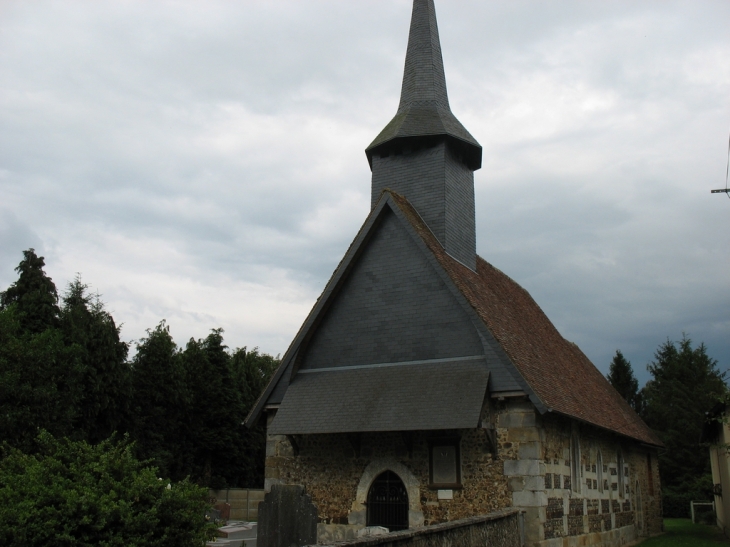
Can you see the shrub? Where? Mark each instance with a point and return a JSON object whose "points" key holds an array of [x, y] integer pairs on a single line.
{"points": [[73, 493]]}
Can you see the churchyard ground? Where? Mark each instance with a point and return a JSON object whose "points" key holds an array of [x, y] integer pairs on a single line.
{"points": [[682, 533]]}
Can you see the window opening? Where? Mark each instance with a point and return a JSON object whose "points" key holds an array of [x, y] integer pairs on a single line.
{"points": [[620, 463], [576, 470], [388, 502], [599, 471]]}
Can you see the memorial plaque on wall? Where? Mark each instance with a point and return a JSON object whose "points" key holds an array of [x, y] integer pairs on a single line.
{"points": [[444, 465]]}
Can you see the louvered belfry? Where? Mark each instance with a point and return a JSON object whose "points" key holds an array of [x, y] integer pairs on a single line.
{"points": [[424, 153]]}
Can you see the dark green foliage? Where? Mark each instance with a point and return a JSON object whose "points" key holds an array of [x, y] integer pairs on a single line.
{"points": [[39, 384], [215, 416], [685, 384], [251, 373], [33, 294], [622, 378], [159, 402], [65, 370], [92, 337], [189, 408], [76, 494]]}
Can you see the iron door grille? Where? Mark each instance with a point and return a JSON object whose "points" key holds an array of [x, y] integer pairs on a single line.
{"points": [[388, 502]]}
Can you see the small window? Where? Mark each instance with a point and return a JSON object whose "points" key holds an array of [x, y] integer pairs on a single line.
{"points": [[576, 470], [445, 463], [599, 471], [620, 464]]}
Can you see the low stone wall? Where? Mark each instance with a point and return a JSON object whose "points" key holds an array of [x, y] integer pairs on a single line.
{"points": [[499, 529], [244, 502]]}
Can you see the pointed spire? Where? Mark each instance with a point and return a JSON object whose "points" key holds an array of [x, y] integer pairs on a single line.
{"points": [[424, 110], [423, 77]]}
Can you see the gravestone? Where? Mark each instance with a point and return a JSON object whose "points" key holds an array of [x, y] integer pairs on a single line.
{"points": [[224, 509], [213, 515], [287, 518]]}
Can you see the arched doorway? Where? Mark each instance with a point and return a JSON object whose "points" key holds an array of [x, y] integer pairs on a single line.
{"points": [[388, 502]]}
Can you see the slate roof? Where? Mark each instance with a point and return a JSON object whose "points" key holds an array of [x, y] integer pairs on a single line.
{"points": [[558, 372], [354, 399], [424, 104]]}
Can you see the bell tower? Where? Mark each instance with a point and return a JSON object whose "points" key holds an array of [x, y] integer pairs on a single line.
{"points": [[424, 153]]}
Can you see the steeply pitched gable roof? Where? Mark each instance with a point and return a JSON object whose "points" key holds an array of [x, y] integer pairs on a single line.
{"points": [[558, 372], [555, 370]]}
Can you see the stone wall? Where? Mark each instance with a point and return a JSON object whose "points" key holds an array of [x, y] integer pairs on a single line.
{"points": [[518, 459], [563, 501], [499, 529], [604, 499], [337, 471]]}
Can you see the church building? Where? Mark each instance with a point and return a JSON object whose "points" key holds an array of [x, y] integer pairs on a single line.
{"points": [[427, 386]]}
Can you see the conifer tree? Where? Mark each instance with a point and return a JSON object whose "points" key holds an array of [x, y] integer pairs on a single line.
{"points": [[34, 295], [686, 383], [39, 384], [622, 378], [251, 373], [92, 337], [39, 379], [214, 415], [159, 401]]}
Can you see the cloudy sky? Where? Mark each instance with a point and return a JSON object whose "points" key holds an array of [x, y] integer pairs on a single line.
{"points": [[203, 162]]}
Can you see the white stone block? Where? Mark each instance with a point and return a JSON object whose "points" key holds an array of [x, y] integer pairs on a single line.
{"points": [[523, 467], [527, 498], [534, 483]]}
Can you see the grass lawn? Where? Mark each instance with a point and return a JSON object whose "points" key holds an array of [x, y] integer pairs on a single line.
{"points": [[682, 533]]}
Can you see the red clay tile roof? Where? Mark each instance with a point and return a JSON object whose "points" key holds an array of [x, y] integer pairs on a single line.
{"points": [[557, 370]]}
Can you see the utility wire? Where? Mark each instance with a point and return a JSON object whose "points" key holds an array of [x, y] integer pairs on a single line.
{"points": [[727, 169], [726, 191]]}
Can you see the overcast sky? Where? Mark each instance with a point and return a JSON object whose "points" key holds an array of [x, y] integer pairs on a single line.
{"points": [[203, 162]]}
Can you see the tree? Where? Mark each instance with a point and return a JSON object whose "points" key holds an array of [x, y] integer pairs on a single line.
{"points": [[74, 493], [251, 373], [622, 378], [685, 384], [214, 417], [189, 407], [39, 383], [92, 337], [33, 294], [159, 402], [38, 380]]}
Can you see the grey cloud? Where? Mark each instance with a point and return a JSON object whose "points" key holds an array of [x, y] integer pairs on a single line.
{"points": [[205, 163]]}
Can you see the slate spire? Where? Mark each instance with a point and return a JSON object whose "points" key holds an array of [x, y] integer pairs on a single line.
{"points": [[424, 153], [423, 76], [424, 109]]}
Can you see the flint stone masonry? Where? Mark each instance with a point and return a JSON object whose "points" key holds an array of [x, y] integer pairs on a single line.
{"points": [[338, 479], [575, 526]]}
